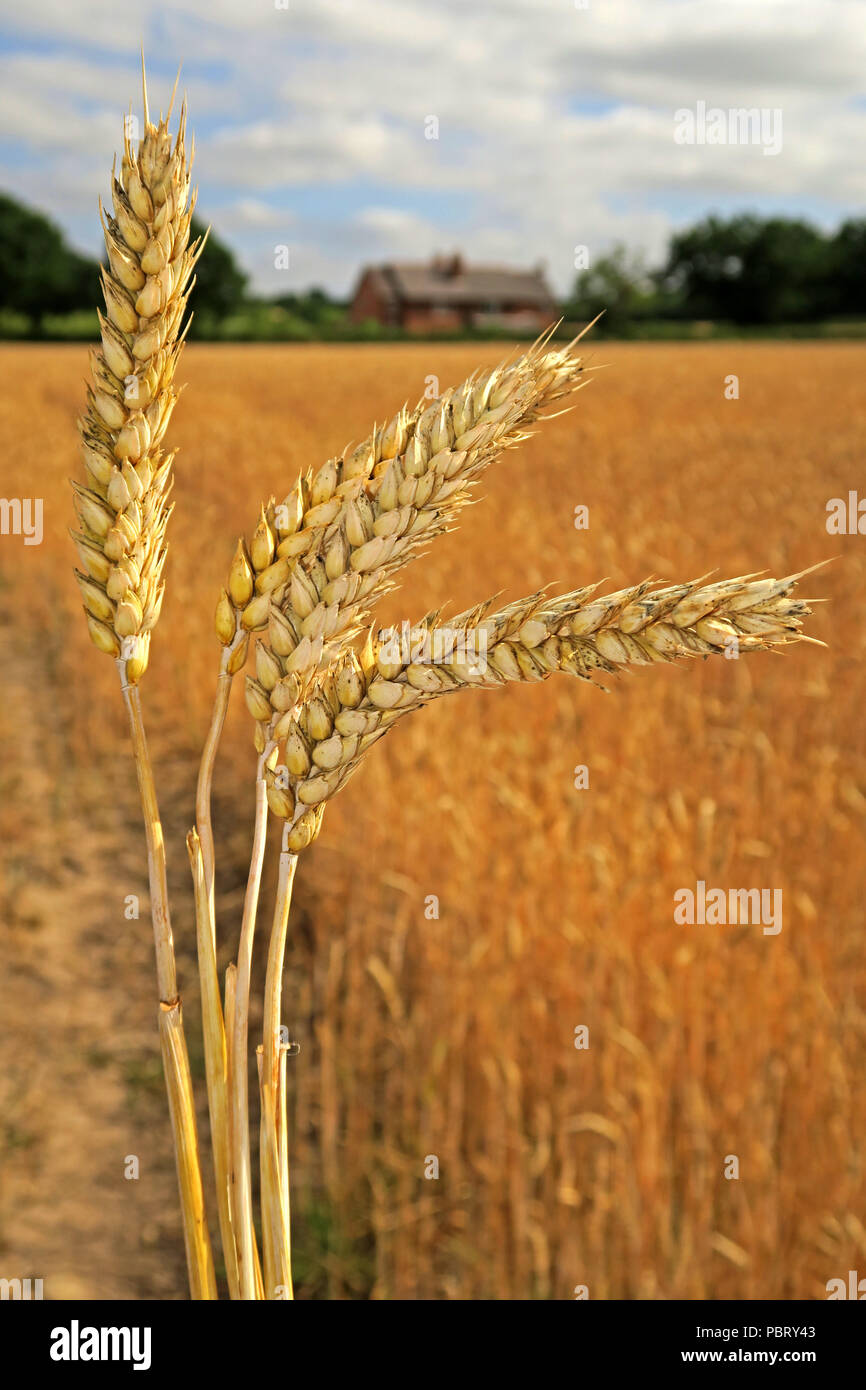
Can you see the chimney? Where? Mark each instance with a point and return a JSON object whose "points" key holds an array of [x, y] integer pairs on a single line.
{"points": [[448, 266]]}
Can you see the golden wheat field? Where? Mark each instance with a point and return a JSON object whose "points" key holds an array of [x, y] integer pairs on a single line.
{"points": [[452, 1037]]}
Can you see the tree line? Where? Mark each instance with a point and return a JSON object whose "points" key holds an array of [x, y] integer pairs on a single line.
{"points": [[744, 270]]}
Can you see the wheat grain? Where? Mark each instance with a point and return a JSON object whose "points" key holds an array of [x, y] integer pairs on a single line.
{"points": [[263, 567], [358, 700], [123, 510]]}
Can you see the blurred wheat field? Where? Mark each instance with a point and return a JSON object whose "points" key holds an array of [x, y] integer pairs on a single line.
{"points": [[452, 1037]]}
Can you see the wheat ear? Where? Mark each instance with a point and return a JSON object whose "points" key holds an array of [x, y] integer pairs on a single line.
{"points": [[362, 697], [124, 509], [347, 531]]}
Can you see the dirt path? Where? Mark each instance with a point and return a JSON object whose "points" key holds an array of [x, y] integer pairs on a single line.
{"points": [[80, 1088]]}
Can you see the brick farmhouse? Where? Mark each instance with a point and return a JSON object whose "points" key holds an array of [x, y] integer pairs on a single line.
{"points": [[445, 295]]}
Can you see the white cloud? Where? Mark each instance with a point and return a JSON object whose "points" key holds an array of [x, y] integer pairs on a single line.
{"points": [[555, 124], [251, 212], [394, 224]]}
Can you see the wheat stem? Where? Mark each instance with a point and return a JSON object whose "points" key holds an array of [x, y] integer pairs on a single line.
{"points": [[232, 1163], [181, 1104], [216, 1061], [200, 1267], [242, 1182], [204, 824], [166, 971], [283, 1131], [274, 1156]]}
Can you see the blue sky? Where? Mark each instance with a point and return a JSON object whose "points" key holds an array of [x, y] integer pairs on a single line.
{"points": [[555, 123]]}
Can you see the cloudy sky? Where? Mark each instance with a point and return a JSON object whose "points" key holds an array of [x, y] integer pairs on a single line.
{"points": [[555, 120]]}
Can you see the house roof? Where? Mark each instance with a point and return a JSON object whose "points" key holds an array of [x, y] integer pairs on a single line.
{"points": [[449, 281]]}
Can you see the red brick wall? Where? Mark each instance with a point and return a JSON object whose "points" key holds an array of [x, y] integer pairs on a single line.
{"points": [[526, 319], [426, 320], [369, 303]]}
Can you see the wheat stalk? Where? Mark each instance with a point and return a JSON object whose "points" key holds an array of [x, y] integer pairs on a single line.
{"points": [[274, 1160], [310, 573], [123, 513], [324, 740], [359, 698]]}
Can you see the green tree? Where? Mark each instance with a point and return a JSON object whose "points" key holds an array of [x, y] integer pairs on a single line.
{"points": [[751, 270], [618, 285], [314, 306], [39, 273], [848, 268], [220, 284]]}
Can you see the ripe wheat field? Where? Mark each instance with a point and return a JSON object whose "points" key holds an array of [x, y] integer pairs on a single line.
{"points": [[451, 1037]]}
